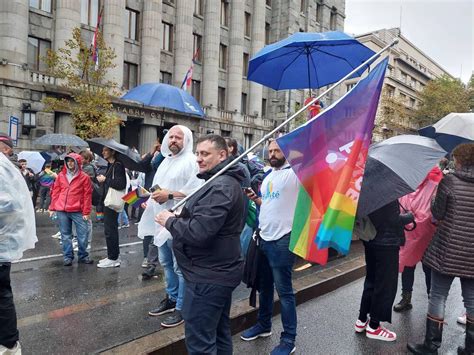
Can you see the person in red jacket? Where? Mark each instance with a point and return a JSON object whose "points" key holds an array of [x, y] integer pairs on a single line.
{"points": [[71, 200]]}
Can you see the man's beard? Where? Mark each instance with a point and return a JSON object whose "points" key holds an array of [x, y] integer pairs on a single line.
{"points": [[277, 163], [174, 149]]}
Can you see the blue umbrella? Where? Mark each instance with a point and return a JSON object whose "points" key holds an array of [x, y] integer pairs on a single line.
{"points": [[308, 60], [165, 96]]}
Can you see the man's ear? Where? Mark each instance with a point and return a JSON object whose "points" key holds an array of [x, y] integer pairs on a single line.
{"points": [[223, 154]]}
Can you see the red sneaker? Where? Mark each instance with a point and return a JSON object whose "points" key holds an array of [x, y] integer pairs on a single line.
{"points": [[360, 326], [380, 333]]}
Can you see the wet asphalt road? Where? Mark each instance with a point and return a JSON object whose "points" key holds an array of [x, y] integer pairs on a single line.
{"points": [[326, 325], [83, 309]]}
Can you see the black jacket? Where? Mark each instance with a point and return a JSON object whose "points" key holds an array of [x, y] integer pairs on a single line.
{"points": [[389, 224], [206, 236]]}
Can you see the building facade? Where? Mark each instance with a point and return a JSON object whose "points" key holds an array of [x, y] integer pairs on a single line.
{"points": [[409, 70], [155, 41]]}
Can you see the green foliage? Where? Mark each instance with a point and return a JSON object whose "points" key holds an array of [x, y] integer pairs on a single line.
{"points": [[470, 88], [440, 97], [90, 92]]}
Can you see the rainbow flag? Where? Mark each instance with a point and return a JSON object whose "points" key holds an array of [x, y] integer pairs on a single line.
{"points": [[136, 197], [328, 155]]}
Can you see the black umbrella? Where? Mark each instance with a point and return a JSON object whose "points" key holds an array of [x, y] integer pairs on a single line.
{"points": [[128, 157], [63, 139], [395, 168]]}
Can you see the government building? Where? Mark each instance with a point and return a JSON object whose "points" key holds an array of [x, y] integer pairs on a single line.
{"points": [[154, 41]]}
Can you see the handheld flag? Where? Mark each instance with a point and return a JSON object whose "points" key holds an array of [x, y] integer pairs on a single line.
{"points": [[189, 74], [136, 197], [328, 155]]}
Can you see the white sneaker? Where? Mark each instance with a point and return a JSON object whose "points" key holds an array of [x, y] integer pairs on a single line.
{"points": [[145, 263], [109, 263], [462, 319], [103, 260], [57, 235], [16, 350]]}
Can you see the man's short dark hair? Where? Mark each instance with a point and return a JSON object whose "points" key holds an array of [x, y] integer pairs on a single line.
{"points": [[218, 141], [22, 160]]}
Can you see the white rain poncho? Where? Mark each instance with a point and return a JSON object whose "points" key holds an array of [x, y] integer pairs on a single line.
{"points": [[17, 216], [175, 173]]}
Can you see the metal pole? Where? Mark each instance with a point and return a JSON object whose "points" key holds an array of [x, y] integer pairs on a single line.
{"points": [[268, 135]]}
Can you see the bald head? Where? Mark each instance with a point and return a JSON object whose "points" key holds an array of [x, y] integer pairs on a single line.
{"points": [[175, 140]]}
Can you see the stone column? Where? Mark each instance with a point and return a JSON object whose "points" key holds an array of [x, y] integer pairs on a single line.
{"points": [[210, 66], [68, 16], [150, 42], [234, 80], [148, 135], [14, 38], [258, 42], [183, 44], [113, 32]]}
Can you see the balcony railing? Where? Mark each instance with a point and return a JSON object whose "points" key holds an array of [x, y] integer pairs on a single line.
{"points": [[226, 115], [267, 122], [42, 78]]}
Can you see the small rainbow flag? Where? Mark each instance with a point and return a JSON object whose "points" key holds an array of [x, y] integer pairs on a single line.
{"points": [[328, 155], [136, 197]]}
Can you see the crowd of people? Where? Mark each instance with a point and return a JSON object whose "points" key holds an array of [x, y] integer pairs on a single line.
{"points": [[202, 247]]}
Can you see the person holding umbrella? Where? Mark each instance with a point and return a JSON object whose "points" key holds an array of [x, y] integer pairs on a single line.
{"points": [[114, 178], [450, 252]]}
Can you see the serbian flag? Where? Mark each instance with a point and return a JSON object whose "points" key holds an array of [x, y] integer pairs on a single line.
{"points": [[328, 155], [189, 74], [95, 48], [136, 197]]}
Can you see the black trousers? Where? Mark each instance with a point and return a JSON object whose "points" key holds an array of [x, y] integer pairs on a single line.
{"points": [[111, 233], [381, 281], [206, 309], [8, 327], [408, 278]]}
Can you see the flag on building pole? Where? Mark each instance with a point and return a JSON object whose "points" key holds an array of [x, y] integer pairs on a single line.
{"points": [[189, 74], [328, 155], [95, 48]]}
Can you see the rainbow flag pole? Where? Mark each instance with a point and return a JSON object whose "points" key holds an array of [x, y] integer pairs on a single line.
{"points": [[328, 155]]}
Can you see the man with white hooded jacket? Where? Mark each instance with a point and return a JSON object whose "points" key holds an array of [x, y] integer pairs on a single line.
{"points": [[174, 179], [17, 234]]}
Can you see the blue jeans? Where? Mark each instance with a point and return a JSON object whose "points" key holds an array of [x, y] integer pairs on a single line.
{"points": [[206, 311], [66, 219], [123, 218], [173, 276], [440, 285], [245, 236], [275, 268]]}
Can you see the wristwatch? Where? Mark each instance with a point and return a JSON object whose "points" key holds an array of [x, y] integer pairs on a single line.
{"points": [[170, 197]]}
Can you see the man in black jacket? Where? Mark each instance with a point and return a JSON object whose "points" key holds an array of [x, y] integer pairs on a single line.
{"points": [[206, 242]]}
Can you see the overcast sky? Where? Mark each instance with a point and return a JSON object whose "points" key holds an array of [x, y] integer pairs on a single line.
{"points": [[441, 29]]}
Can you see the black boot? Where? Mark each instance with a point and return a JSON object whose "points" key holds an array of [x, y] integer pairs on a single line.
{"points": [[405, 302], [434, 333], [468, 348]]}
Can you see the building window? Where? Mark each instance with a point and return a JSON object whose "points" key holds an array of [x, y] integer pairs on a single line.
{"points": [[225, 13], [404, 77], [196, 90], [267, 33], [247, 140], [222, 56], [248, 24], [130, 75], [319, 12], [37, 50], [167, 42], [268, 3], [333, 19], [89, 12], [264, 108], [303, 6], [350, 86], [44, 5], [403, 98], [197, 46], [245, 66], [221, 98], [165, 77], [198, 7], [412, 102], [243, 104], [131, 24], [225, 133]]}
